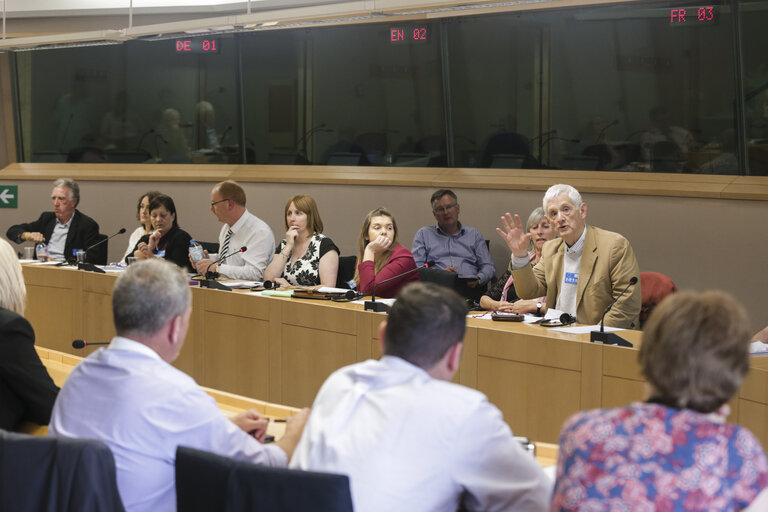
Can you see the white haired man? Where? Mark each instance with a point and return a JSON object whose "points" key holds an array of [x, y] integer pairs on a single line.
{"points": [[582, 271]]}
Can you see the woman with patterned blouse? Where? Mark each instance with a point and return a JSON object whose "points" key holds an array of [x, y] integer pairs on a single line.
{"points": [[305, 257], [674, 451]]}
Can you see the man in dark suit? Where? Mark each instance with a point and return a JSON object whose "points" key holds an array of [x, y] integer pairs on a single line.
{"points": [[63, 229]]}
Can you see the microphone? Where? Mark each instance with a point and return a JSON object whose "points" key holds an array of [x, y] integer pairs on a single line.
{"points": [[214, 275], [83, 344], [143, 136], [380, 307], [268, 285], [90, 267], [226, 131], [209, 280], [157, 145], [602, 132], [609, 338]]}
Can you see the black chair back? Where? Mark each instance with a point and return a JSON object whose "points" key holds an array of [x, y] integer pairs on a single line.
{"points": [[206, 481], [346, 271], [56, 474]]}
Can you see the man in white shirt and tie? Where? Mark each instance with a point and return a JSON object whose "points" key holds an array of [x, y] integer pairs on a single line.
{"points": [[408, 438], [241, 229]]}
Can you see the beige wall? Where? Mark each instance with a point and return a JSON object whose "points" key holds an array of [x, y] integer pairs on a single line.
{"points": [[700, 243]]}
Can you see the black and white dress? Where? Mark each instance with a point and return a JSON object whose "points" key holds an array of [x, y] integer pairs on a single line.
{"points": [[306, 270]]}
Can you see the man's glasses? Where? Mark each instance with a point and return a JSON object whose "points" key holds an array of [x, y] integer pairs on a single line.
{"points": [[214, 203], [443, 209]]}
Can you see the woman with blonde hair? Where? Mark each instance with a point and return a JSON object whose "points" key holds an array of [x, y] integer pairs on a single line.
{"points": [[381, 257], [305, 257], [27, 392]]}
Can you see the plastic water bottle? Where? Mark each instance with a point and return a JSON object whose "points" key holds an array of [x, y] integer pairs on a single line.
{"points": [[41, 251], [196, 251]]}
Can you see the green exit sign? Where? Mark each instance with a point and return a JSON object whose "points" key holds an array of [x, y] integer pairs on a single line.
{"points": [[9, 196]]}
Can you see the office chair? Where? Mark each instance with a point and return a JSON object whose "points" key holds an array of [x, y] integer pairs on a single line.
{"points": [[56, 474], [206, 481], [346, 271]]}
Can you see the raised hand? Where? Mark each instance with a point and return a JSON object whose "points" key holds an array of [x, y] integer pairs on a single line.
{"points": [[514, 234]]}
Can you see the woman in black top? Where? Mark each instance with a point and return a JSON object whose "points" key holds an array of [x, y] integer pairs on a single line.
{"points": [[27, 392], [167, 240]]}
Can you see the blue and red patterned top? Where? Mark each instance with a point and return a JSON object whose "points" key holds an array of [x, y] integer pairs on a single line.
{"points": [[647, 457]]}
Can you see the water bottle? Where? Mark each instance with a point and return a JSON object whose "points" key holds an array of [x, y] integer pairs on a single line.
{"points": [[195, 251], [41, 251]]}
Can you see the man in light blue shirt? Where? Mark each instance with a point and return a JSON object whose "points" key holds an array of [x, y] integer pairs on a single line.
{"points": [[454, 247], [129, 396]]}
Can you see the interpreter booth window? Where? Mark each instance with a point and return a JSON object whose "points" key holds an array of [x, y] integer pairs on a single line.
{"points": [[274, 97], [754, 40], [643, 87], [138, 102], [495, 74], [376, 96]]}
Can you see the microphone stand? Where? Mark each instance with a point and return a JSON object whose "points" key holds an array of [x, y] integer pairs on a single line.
{"points": [[210, 281], [90, 267], [610, 338]]}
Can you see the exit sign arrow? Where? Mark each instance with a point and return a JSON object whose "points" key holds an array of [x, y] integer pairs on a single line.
{"points": [[9, 196]]}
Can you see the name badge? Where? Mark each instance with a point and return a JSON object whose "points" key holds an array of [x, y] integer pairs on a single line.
{"points": [[571, 278]]}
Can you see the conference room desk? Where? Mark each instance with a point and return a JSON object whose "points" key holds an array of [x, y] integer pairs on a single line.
{"points": [[59, 365], [281, 350]]}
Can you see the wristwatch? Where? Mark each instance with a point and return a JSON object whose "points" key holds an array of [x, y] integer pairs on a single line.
{"points": [[538, 308]]}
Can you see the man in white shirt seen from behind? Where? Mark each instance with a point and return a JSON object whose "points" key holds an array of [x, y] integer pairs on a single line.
{"points": [[409, 439], [241, 229], [129, 396]]}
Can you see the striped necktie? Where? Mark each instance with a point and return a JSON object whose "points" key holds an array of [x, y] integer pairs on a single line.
{"points": [[225, 249]]}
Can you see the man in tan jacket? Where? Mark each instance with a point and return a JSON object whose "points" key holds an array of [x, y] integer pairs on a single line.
{"points": [[582, 271]]}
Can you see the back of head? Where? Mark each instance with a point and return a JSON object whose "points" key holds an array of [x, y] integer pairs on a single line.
{"points": [[425, 321], [695, 350], [13, 291], [231, 190], [147, 296], [555, 190], [305, 203]]}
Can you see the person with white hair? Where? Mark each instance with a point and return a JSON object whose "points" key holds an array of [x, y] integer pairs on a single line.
{"points": [[581, 272], [65, 228], [27, 392]]}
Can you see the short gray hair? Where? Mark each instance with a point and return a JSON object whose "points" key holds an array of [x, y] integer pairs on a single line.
{"points": [[148, 295], [74, 188], [13, 291], [555, 190]]}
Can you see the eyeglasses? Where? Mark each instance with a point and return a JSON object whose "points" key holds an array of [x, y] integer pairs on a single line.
{"points": [[214, 203], [443, 209]]}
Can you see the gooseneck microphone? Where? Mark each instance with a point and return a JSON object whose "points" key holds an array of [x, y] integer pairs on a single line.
{"points": [[90, 267], [609, 338], [83, 344], [380, 307], [214, 275]]}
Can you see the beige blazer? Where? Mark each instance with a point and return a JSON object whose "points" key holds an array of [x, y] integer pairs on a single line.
{"points": [[607, 265]]}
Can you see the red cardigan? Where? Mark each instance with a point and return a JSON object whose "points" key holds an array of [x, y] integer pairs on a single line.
{"points": [[401, 260]]}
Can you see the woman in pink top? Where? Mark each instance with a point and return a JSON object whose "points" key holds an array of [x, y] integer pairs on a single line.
{"points": [[381, 257]]}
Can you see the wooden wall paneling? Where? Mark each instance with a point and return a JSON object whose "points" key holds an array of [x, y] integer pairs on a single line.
{"points": [[54, 306]]}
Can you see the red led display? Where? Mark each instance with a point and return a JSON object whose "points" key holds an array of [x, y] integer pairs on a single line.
{"points": [[693, 15], [206, 45], [410, 34]]}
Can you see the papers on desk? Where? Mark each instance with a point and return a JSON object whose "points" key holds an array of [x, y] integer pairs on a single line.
{"points": [[584, 329], [275, 293], [330, 289], [758, 348], [240, 284], [45, 263], [388, 302]]}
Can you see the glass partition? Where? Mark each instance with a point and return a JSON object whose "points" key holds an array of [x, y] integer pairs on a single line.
{"points": [[643, 87]]}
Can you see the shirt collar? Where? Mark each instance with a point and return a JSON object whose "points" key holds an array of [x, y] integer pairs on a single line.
{"points": [[240, 222], [65, 224], [461, 229], [579, 245], [120, 343]]}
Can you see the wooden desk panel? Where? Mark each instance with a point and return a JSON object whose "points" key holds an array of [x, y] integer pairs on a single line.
{"points": [[282, 350], [309, 356]]}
